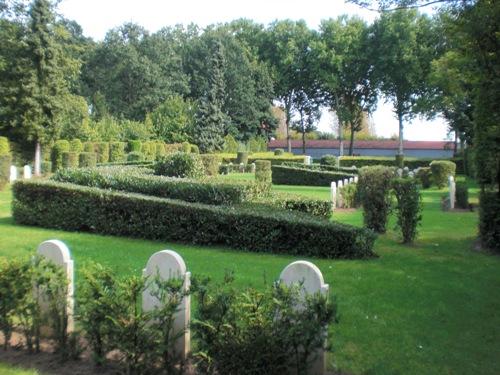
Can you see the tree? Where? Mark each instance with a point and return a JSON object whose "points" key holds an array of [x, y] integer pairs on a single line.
{"points": [[344, 69], [208, 132], [309, 114], [173, 120], [403, 48]]}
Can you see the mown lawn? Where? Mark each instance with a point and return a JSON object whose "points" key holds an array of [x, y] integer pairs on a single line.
{"points": [[432, 308]]}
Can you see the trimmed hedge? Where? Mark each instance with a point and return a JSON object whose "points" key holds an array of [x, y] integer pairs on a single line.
{"points": [[324, 167], [489, 219], [4, 146], [117, 151], [180, 164], [134, 146], [285, 175], [263, 172], [411, 163], [102, 151], [76, 208], [70, 159], [87, 159], [135, 156], [275, 160], [213, 191], [279, 152], [242, 157], [462, 194], [56, 154], [211, 163], [330, 160], [88, 147], [291, 202], [75, 145], [441, 169], [5, 163], [149, 150]]}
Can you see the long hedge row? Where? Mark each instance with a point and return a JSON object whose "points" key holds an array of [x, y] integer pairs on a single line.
{"points": [[410, 162], [71, 207], [135, 180], [288, 175]]}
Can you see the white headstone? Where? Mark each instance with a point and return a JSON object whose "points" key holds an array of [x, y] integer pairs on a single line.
{"points": [[351, 180], [13, 173], [27, 172], [307, 160], [58, 253], [452, 191], [333, 194], [346, 182], [252, 168], [311, 280], [168, 264], [356, 179], [339, 193]]}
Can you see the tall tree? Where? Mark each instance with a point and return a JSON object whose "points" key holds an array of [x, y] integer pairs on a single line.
{"points": [[309, 113]]}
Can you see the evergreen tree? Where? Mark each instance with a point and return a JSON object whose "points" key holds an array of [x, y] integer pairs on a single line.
{"points": [[209, 129]]}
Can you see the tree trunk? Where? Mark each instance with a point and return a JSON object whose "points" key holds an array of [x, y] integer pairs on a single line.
{"points": [[455, 144], [303, 134], [341, 139], [38, 159], [400, 118], [288, 116], [351, 144]]}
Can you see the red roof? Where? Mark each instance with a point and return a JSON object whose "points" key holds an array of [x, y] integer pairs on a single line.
{"points": [[390, 145]]}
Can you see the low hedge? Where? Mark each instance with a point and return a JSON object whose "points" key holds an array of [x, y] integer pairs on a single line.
{"points": [[211, 163], [70, 159], [135, 156], [324, 167], [75, 145], [286, 175], [290, 202], [102, 151], [274, 159], [410, 162], [263, 172], [76, 208], [211, 191], [87, 159], [117, 151]]}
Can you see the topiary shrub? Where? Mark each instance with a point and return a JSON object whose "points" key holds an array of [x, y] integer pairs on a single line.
{"points": [[263, 171], [195, 149], [279, 152], [160, 150], [70, 159], [59, 147], [242, 157], [75, 145], [211, 163], [135, 156], [4, 146], [408, 208], [441, 169], [489, 219], [134, 145], [374, 186], [102, 151], [149, 150], [5, 163], [329, 160], [180, 164], [88, 147], [116, 152], [186, 147], [462, 194], [425, 176], [87, 159]]}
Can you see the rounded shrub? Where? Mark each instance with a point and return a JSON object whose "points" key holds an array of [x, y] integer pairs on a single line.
{"points": [[195, 149], [329, 160], [408, 208], [211, 163], [186, 147], [4, 146], [462, 194], [87, 159], [88, 147], [102, 151], [116, 152], [75, 145], [425, 177], [59, 147], [180, 164], [70, 159], [242, 157], [279, 152], [134, 145], [441, 169], [135, 156], [374, 186], [263, 172]]}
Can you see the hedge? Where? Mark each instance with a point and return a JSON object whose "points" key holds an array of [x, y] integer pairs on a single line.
{"points": [[440, 170], [411, 163], [76, 208], [134, 146], [324, 167], [274, 159], [263, 172], [75, 145], [87, 159], [56, 154], [70, 159], [213, 191], [489, 219], [5, 162], [117, 151], [4, 146], [291, 202], [462, 194], [135, 156], [286, 175], [211, 163], [102, 151]]}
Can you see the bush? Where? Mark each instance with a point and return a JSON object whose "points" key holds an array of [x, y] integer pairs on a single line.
{"points": [[285, 175], [462, 194], [350, 196], [70, 159], [5, 163], [4, 146], [56, 154], [213, 191], [489, 219], [400, 161], [374, 186], [440, 170], [408, 208], [75, 145], [102, 151], [160, 150], [258, 331], [88, 147], [180, 164], [135, 156], [425, 177], [242, 157], [263, 173], [211, 164], [149, 150], [186, 147], [116, 152], [230, 144], [87, 159], [76, 208], [134, 146], [331, 160], [195, 149], [172, 147], [279, 152], [46, 167]]}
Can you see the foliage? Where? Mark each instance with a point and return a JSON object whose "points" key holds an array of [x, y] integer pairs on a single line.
{"points": [[350, 196], [263, 173], [194, 149], [230, 144], [242, 157], [211, 163], [279, 152], [92, 209], [291, 175], [5, 163], [408, 207], [70, 159], [4, 146], [116, 151], [462, 194], [424, 174], [75, 145], [253, 331], [56, 154], [135, 156], [440, 170], [102, 151], [315, 207], [180, 164], [173, 119], [374, 186], [329, 160], [87, 159], [149, 150], [134, 146], [489, 220]]}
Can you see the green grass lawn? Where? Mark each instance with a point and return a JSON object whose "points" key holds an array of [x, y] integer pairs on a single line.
{"points": [[432, 308]]}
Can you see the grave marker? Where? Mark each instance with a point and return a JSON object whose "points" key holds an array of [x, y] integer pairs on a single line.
{"points": [[452, 191], [27, 172], [13, 173]]}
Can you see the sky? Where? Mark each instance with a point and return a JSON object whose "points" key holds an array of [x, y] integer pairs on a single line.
{"points": [[98, 16]]}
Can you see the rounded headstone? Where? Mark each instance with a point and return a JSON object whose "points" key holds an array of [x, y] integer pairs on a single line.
{"points": [[167, 263], [306, 273]]}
